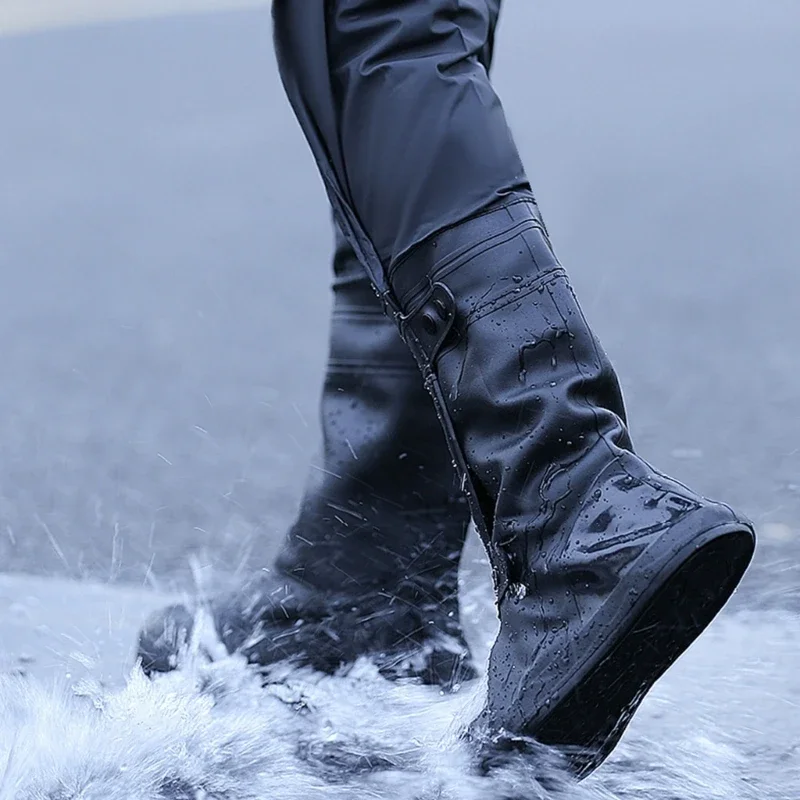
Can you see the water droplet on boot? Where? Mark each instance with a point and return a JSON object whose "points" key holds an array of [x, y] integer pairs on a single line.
{"points": [[518, 591]]}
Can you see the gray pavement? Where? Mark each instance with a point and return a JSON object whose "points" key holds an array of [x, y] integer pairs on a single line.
{"points": [[163, 300], [163, 268], [54, 629], [19, 16]]}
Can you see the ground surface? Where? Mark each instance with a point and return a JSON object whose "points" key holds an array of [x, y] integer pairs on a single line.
{"points": [[163, 295], [164, 247], [720, 726]]}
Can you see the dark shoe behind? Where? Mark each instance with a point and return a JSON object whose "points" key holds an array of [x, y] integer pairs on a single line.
{"points": [[370, 567]]}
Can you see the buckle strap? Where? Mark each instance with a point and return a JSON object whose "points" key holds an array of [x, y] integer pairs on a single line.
{"points": [[418, 268], [426, 329]]}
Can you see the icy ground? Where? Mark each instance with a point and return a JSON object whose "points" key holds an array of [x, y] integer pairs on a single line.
{"points": [[722, 725]]}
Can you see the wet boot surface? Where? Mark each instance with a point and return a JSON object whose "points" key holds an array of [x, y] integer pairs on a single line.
{"points": [[605, 569]]}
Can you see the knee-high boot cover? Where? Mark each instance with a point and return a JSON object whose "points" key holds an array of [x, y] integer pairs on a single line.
{"points": [[605, 569]]}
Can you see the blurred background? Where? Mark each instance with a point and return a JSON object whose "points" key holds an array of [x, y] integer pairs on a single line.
{"points": [[164, 263]]}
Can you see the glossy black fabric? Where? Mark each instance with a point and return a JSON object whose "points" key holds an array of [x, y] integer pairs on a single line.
{"points": [[383, 507], [395, 100], [356, 73]]}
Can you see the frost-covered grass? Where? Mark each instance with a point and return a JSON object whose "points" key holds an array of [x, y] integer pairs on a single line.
{"points": [[723, 725]]}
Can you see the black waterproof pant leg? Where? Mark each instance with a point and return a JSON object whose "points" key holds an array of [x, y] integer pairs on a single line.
{"points": [[395, 100]]}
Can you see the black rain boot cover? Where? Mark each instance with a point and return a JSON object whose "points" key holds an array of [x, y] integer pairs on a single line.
{"points": [[580, 531]]}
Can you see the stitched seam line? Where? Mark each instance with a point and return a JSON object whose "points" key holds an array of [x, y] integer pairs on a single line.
{"points": [[513, 293], [377, 368], [358, 313], [485, 213], [419, 290]]}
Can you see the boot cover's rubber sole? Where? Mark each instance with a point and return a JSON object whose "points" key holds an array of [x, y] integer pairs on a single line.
{"points": [[598, 702], [591, 705]]}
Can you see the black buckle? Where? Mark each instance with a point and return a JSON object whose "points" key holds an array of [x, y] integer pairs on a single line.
{"points": [[430, 324]]}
